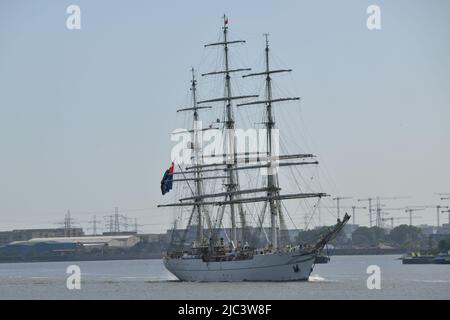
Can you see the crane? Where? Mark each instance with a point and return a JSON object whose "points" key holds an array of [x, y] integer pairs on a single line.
{"points": [[438, 209], [378, 209], [444, 196], [370, 209], [338, 199], [397, 218], [448, 211], [391, 219], [386, 213], [353, 211], [410, 211]]}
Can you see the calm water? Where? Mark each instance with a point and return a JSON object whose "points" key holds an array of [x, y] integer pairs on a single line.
{"points": [[343, 278]]}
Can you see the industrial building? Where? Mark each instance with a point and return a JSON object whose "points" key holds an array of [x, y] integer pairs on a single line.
{"points": [[61, 248], [122, 241], [27, 234]]}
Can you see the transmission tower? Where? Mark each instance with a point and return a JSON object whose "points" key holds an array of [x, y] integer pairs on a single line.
{"points": [[94, 223]]}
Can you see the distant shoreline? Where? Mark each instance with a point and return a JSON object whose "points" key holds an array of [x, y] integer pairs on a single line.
{"points": [[366, 251], [335, 252]]}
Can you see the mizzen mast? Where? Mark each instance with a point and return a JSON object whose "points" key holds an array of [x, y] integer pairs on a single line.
{"points": [[273, 195]]}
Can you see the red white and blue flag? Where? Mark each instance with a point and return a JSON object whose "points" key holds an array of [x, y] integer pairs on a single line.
{"points": [[167, 180]]}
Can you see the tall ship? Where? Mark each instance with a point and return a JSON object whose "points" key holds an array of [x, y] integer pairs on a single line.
{"points": [[228, 200]]}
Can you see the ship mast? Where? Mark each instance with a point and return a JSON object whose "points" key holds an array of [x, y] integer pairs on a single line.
{"points": [[272, 178], [196, 146], [232, 185], [229, 124]]}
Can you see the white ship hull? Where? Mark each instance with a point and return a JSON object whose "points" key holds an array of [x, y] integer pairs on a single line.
{"points": [[268, 267]]}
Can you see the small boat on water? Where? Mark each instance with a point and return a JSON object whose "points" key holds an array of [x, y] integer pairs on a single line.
{"points": [[322, 259], [442, 259], [324, 256], [417, 258]]}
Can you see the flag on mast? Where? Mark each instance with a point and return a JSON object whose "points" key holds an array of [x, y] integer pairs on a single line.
{"points": [[167, 180]]}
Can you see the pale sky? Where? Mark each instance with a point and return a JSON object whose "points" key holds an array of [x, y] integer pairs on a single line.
{"points": [[85, 115]]}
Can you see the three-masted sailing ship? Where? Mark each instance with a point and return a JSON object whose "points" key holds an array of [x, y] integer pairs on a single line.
{"points": [[232, 254]]}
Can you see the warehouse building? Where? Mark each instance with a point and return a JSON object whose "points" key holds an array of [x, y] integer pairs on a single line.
{"points": [[27, 234], [122, 241]]}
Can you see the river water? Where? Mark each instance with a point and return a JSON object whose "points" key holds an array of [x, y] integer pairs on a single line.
{"points": [[345, 277]]}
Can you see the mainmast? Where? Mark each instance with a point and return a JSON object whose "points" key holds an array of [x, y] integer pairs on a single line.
{"points": [[232, 185], [229, 124], [270, 174]]}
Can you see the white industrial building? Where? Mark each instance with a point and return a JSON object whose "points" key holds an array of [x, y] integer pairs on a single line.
{"points": [[120, 241]]}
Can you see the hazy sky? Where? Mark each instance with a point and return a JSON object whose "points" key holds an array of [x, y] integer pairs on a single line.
{"points": [[85, 115]]}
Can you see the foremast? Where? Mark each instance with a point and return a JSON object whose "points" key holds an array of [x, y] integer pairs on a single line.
{"points": [[197, 148], [197, 158]]}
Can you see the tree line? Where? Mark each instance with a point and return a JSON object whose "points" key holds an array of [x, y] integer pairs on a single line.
{"points": [[403, 236]]}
